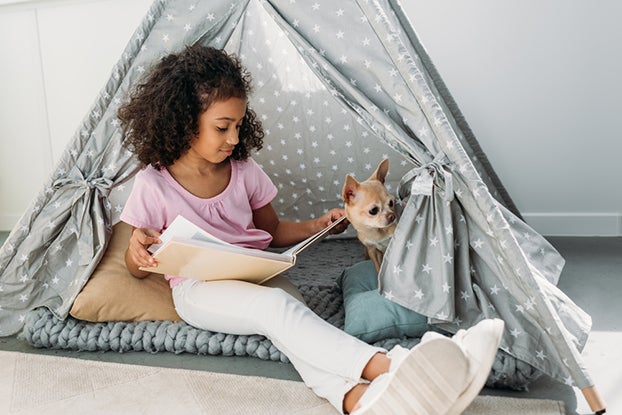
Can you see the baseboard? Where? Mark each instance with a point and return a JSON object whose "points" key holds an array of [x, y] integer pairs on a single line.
{"points": [[567, 224]]}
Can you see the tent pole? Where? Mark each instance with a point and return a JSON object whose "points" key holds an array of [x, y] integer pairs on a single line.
{"points": [[593, 398]]}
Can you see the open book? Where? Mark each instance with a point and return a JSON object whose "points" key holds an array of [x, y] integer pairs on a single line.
{"points": [[189, 251]]}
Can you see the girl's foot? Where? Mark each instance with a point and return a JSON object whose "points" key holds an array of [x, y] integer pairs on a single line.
{"points": [[480, 344], [427, 381]]}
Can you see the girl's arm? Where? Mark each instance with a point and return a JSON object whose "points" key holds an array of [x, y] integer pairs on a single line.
{"points": [[286, 233], [137, 255]]}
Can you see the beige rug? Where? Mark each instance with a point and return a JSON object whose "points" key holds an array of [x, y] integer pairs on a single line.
{"points": [[40, 384]]}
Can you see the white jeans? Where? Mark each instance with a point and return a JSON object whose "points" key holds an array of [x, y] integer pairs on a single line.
{"points": [[328, 360]]}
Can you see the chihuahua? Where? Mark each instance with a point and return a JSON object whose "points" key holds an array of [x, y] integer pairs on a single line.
{"points": [[371, 210]]}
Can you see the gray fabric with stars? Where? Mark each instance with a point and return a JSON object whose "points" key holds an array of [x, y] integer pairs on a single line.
{"points": [[339, 86]]}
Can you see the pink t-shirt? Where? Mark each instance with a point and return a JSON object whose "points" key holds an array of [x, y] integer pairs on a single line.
{"points": [[157, 198]]}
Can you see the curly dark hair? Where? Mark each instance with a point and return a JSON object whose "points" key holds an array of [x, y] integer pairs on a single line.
{"points": [[161, 118]]}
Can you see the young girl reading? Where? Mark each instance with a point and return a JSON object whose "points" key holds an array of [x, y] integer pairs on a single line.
{"points": [[190, 125]]}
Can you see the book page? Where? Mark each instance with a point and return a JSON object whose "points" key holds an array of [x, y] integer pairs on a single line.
{"points": [[182, 228], [188, 251], [209, 262], [310, 241], [234, 249]]}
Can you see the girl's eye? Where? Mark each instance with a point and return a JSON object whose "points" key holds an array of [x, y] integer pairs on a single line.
{"points": [[374, 211], [221, 129]]}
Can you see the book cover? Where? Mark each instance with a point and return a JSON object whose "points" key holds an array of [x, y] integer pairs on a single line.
{"points": [[189, 251]]}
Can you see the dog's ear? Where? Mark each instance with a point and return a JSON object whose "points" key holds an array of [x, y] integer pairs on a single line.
{"points": [[349, 188], [381, 171]]}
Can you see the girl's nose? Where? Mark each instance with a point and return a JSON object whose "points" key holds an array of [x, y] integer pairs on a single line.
{"points": [[233, 138]]}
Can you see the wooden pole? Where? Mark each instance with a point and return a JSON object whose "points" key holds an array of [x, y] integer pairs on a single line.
{"points": [[594, 400]]}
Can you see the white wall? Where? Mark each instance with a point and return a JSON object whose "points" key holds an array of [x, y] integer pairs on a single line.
{"points": [[537, 82], [56, 55]]}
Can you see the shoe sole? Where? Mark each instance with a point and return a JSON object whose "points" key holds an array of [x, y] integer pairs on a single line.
{"points": [[474, 388], [428, 382]]}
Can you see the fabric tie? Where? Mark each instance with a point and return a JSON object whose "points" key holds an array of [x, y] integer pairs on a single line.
{"points": [[80, 191], [101, 184], [422, 178]]}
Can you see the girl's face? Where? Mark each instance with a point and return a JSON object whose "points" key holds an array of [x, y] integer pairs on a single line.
{"points": [[219, 127]]}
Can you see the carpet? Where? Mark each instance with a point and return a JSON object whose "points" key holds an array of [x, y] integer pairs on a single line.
{"points": [[41, 384]]}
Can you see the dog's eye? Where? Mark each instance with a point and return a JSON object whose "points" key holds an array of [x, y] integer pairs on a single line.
{"points": [[391, 203], [374, 211]]}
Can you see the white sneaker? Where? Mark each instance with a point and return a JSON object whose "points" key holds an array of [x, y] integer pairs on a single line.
{"points": [[480, 344], [427, 380], [397, 355]]}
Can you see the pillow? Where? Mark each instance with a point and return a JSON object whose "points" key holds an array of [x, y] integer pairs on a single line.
{"points": [[371, 317], [113, 294]]}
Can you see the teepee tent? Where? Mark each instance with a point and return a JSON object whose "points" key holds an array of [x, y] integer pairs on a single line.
{"points": [[339, 86]]}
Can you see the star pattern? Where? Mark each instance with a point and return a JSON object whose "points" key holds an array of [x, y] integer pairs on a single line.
{"points": [[295, 131], [316, 132]]}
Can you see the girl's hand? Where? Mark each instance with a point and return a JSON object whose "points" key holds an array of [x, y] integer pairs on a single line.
{"points": [[140, 240], [329, 217]]}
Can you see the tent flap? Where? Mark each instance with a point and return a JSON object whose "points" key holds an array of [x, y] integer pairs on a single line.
{"points": [[338, 86]]}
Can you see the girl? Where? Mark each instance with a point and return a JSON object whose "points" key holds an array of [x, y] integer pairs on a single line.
{"points": [[190, 126]]}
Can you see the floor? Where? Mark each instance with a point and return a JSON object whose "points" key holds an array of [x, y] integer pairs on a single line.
{"points": [[592, 278]]}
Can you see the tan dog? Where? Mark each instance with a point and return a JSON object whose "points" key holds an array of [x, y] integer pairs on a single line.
{"points": [[371, 210]]}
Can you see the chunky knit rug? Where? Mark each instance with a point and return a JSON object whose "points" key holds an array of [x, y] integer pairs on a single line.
{"points": [[315, 279]]}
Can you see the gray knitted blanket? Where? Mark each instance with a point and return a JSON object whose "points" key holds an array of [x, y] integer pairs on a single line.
{"points": [[316, 281]]}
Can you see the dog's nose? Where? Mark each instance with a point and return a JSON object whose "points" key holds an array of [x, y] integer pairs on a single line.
{"points": [[391, 217]]}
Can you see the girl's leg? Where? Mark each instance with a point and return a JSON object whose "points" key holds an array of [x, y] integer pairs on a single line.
{"points": [[328, 360]]}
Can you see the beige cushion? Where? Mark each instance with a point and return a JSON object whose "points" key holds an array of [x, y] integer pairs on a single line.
{"points": [[113, 294]]}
